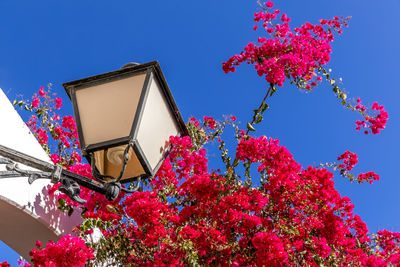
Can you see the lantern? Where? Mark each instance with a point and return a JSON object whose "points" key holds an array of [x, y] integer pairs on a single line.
{"points": [[124, 120]]}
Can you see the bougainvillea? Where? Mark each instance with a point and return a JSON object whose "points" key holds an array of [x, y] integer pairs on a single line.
{"points": [[299, 55], [262, 209], [68, 251]]}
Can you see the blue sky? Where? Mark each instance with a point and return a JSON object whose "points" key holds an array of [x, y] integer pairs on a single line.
{"points": [[58, 41]]}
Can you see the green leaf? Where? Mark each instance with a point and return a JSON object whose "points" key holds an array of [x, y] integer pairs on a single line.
{"points": [[235, 163], [264, 107], [336, 89], [250, 127], [259, 119], [61, 201]]}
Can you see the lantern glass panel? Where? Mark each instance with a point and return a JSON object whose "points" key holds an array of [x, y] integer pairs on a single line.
{"points": [[108, 167], [156, 125], [107, 110]]}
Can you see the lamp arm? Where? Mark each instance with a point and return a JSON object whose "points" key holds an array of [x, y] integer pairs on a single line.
{"points": [[70, 181]]}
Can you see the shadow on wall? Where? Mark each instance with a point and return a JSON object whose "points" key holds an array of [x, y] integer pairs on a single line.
{"points": [[20, 227]]}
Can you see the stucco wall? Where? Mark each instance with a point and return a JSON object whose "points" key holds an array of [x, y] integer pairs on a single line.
{"points": [[27, 212]]}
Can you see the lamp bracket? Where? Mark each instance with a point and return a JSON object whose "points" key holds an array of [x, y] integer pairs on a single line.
{"points": [[71, 189], [68, 187], [71, 182], [112, 190]]}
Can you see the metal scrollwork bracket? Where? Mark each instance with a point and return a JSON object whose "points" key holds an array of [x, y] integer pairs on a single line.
{"points": [[71, 182], [68, 187], [71, 189], [15, 169]]}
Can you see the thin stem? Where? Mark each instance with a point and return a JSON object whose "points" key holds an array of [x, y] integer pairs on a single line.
{"points": [[259, 109], [258, 112]]}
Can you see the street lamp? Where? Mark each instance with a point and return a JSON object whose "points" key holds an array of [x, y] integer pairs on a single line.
{"points": [[124, 120]]}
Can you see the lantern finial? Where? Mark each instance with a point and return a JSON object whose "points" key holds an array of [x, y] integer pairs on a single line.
{"points": [[129, 65]]}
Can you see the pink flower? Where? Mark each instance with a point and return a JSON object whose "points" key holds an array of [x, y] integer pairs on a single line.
{"points": [[55, 158], [38, 243], [210, 122], [58, 102], [269, 4], [323, 21], [41, 91], [35, 102], [376, 122], [194, 122], [76, 157], [42, 136], [349, 159], [285, 18]]}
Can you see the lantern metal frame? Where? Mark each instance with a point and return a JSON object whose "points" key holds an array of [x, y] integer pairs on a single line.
{"points": [[151, 69]]}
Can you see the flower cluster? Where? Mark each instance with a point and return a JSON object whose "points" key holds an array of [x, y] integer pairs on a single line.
{"points": [[299, 55], [45, 122], [375, 122], [349, 159], [196, 216], [293, 54], [368, 177], [68, 251], [210, 122], [270, 249]]}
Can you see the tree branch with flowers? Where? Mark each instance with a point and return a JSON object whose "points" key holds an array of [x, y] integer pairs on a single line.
{"points": [[278, 213]]}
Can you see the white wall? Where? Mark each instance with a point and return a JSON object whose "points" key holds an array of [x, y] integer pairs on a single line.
{"points": [[27, 212]]}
